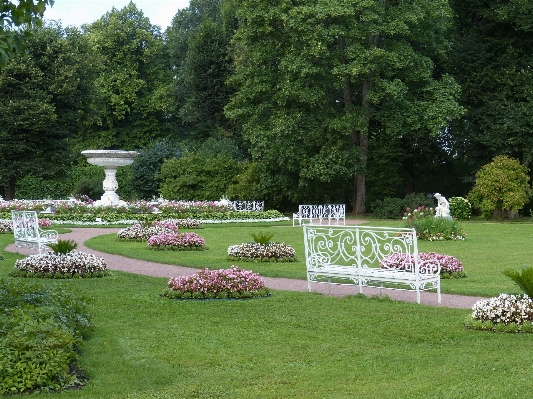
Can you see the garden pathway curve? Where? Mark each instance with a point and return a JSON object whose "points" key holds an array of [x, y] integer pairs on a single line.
{"points": [[117, 262]]}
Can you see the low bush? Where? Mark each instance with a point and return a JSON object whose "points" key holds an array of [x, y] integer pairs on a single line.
{"points": [[40, 329], [460, 208], [217, 284], [393, 208], [255, 252]]}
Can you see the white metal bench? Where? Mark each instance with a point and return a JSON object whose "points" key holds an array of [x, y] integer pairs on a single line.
{"points": [[320, 212], [354, 255], [244, 206], [28, 234]]}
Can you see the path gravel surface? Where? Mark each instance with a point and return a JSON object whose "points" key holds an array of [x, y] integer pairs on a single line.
{"points": [[116, 262]]}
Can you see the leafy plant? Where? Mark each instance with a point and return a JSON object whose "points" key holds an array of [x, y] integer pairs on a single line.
{"points": [[502, 187], [524, 279], [63, 247], [262, 238], [460, 208], [430, 228]]}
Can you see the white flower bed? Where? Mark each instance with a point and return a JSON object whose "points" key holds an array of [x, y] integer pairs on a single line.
{"points": [[5, 226], [250, 252], [510, 313], [137, 232], [72, 264]]}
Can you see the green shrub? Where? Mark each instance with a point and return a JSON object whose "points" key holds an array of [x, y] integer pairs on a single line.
{"points": [[196, 177], [32, 188], [92, 188], [63, 247], [39, 331], [460, 208], [502, 187], [262, 238], [430, 228], [394, 208]]}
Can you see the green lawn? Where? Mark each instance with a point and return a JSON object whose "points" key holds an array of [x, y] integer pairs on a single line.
{"points": [[299, 345], [488, 249]]}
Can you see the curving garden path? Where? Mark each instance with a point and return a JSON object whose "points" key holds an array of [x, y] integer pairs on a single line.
{"points": [[116, 262]]}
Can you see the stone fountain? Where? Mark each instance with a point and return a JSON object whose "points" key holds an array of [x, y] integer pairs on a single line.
{"points": [[110, 160]]}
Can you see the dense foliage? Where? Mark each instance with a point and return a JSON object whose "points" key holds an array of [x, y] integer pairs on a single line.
{"points": [[502, 187], [324, 102], [40, 330]]}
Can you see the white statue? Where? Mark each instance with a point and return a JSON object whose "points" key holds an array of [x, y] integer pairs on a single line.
{"points": [[443, 207]]}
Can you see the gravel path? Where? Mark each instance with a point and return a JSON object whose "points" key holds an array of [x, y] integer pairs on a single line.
{"points": [[116, 262]]}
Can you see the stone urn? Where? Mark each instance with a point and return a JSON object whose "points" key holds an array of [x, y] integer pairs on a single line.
{"points": [[110, 160]]}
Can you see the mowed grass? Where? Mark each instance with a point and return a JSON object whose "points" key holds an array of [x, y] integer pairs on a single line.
{"points": [[488, 250], [294, 345]]}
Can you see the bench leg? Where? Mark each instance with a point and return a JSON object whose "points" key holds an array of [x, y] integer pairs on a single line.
{"points": [[418, 295]]}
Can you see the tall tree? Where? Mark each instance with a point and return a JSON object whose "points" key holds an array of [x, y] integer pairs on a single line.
{"points": [[197, 42], [132, 81], [493, 61], [26, 12], [315, 79], [44, 97]]}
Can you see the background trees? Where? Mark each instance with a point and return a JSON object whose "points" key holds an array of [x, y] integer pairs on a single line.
{"points": [[316, 81]]}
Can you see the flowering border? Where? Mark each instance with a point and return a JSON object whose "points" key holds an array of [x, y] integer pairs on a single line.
{"points": [[233, 283], [255, 252]]}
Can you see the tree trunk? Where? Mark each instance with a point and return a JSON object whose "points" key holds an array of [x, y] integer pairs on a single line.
{"points": [[10, 194]]}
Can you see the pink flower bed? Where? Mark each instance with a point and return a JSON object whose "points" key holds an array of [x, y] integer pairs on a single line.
{"points": [[176, 241], [222, 283], [449, 265]]}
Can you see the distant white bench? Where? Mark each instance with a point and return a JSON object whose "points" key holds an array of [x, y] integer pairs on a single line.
{"points": [[247, 206], [354, 255], [320, 212], [28, 234]]}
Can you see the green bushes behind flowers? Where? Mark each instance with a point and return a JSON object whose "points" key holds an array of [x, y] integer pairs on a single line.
{"points": [[430, 228], [40, 328], [393, 208], [460, 208]]}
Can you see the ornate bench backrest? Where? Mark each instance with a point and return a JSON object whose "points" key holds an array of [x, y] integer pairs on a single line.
{"points": [[359, 246], [25, 225]]}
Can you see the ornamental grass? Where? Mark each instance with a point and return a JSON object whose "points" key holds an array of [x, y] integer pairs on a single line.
{"points": [[255, 252], [450, 266], [234, 283], [70, 265], [177, 241]]}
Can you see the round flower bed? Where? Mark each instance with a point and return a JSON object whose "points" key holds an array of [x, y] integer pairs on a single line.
{"points": [[505, 313], [254, 252], [140, 232], [450, 267], [177, 241], [233, 283], [70, 265]]}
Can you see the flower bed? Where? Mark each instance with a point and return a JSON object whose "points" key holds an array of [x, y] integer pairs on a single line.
{"points": [[233, 283], [70, 265], [177, 241], [450, 267], [254, 252], [505, 313], [6, 226], [430, 228]]}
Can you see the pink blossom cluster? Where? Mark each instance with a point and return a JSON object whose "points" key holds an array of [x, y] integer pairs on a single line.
{"points": [[504, 309], [401, 261], [166, 224], [418, 213], [253, 251], [70, 263], [176, 241], [45, 223], [233, 280]]}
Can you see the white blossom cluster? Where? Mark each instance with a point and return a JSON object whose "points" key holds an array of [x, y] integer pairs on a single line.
{"points": [[138, 232], [66, 264], [5, 226], [504, 309], [185, 223], [254, 251]]}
